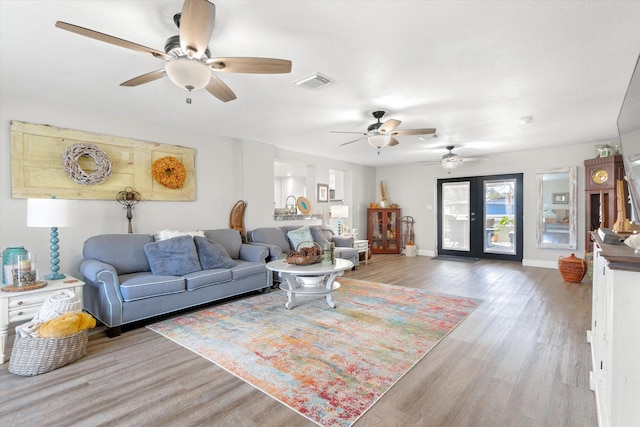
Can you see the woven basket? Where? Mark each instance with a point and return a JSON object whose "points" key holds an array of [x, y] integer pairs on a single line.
{"points": [[572, 268], [33, 356], [299, 258]]}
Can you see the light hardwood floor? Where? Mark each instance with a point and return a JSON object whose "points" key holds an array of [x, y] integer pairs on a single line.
{"points": [[520, 359]]}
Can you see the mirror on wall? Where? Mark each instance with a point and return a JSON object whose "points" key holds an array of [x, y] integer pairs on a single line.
{"points": [[336, 185], [557, 219], [289, 179]]}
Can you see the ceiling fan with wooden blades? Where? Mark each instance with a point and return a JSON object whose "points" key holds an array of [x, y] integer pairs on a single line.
{"points": [[189, 63], [381, 134]]}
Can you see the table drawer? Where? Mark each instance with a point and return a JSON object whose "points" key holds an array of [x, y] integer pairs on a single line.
{"points": [[23, 314], [28, 300]]}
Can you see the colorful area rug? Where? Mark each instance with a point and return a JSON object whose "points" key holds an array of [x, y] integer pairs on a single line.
{"points": [[329, 365]]}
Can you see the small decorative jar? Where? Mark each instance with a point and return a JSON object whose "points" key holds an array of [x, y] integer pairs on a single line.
{"points": [[572, 268]]}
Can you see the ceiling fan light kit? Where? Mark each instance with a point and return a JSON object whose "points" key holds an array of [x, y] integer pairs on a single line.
{"points": [[188, 74], [379, 140], [450, 164], [451, 161]]}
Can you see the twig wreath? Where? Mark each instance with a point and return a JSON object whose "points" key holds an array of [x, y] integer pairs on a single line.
{"points": [[75, 172], [169, 172]]}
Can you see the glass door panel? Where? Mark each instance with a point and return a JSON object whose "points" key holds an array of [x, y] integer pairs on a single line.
{"points": [[499, 216], [376, 231], [455, 214], [390, 231]]}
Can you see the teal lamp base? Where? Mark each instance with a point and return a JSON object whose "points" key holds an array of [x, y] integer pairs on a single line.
{"points": [[54, 256]]}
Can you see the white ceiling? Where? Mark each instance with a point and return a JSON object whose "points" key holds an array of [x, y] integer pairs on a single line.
{"points": [[471, 69]]}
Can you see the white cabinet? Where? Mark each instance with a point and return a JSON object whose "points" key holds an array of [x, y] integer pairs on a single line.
{"points": [[615, 337]]}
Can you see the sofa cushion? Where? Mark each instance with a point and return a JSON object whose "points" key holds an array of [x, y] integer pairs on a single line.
{"points": [[146, 285], [247, 268], [212, 255], [173, 257], [125, 252], [200, 279], [300, 238], [228, 238], [271, 235]]}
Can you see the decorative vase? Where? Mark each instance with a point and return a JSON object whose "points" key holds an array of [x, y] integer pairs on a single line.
{"points": [[384, 203], [572, 268]]}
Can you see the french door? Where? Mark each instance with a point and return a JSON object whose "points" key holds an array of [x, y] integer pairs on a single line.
{"points": [[481, 217]]}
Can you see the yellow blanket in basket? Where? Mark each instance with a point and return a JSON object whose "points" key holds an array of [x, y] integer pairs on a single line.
{"points": [[66, 324]]}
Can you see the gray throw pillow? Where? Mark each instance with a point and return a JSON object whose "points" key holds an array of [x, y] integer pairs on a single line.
{"points": [[318, 236], [212, 255], [173, 257]]}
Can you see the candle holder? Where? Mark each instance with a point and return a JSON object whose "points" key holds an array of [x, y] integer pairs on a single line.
{"points": [[128, 197], [24, 271]]}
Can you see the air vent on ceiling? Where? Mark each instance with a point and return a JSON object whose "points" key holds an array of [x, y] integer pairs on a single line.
{"points": [[313, 82]]}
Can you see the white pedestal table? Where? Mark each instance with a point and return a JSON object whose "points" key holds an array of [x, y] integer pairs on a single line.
{"points": [[308, 280]]}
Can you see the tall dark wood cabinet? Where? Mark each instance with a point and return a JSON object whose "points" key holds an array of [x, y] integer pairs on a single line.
{"points": [[383, 231], [601, 175]]}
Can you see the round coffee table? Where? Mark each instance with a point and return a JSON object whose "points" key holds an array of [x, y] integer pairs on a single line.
{"points": [[314, 279]]}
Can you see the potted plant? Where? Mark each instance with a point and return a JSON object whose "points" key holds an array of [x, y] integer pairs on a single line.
{"points": [[505, 223]]}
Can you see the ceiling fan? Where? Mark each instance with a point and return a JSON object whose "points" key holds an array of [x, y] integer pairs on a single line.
{"points": [[383, 134], [189, 63], [451, 160]]}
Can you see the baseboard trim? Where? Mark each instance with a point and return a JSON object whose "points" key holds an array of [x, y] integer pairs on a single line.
{"points": [[540, 263]]}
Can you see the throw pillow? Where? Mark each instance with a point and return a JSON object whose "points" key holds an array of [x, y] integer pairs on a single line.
{"points": [[170, 234], [173, 257], [212, 255], [319, 236], [300, 238]]}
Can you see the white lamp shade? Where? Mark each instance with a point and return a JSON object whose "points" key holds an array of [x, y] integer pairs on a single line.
{"points": [[339, 211], [50, 212], [379, 140], [188, 74]]}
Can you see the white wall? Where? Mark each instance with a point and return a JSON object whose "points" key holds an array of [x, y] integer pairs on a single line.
{"points": [[413, 187], [227, 170]]}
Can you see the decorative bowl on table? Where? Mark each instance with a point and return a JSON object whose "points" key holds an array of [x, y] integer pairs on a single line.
{"points": [[305, 255]]}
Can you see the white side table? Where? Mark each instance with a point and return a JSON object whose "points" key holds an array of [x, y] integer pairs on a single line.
{"points": [[22, 306], [363, 247]]}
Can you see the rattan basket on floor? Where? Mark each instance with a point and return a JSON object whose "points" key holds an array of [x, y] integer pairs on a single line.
{"points": [[33, 356], [572, 268]]}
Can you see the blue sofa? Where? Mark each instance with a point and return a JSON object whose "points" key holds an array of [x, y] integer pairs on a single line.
{"points": [[278, 243], [121, 286]]}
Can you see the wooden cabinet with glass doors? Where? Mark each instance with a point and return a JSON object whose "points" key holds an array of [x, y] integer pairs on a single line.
{"points": [[384, 231]]}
